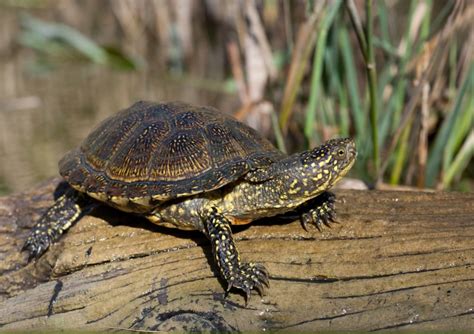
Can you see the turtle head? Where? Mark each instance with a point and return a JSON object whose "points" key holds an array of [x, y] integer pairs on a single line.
{"points": [[287, 183], [317, 170], [329, 162], [302, 176]]}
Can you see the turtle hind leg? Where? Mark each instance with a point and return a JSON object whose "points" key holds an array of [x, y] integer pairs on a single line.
{"points": [[244, 276], [65, 211]]}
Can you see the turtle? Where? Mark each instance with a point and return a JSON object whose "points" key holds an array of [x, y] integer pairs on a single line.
{"points": [[194, 168]]}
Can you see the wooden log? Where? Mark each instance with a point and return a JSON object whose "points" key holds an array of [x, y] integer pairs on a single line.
{"points": [[398, 260]]}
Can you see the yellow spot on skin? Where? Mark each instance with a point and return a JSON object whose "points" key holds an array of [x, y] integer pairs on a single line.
{"points": [[100, 197], [319, 176], [321, 164], [325, 171], [294, 191], [145, 201], [293, 183], [121, 201]]}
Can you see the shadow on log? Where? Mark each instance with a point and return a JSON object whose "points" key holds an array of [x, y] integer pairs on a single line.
{"points": [[398, 260]]}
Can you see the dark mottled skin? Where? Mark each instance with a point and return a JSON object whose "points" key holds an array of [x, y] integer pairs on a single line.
{"points": [[67, 209], [194, 168]]}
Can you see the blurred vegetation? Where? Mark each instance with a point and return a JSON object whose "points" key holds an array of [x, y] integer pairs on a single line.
{"points": [[55, 43], [398, 76]]}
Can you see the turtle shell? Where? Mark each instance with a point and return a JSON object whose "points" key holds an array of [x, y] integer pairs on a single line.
{"points": [[163, 151]]}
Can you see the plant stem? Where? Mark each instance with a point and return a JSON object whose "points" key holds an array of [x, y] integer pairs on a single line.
{"points": [[328, 19], [372, 79], [277, 132], [355, 19]]}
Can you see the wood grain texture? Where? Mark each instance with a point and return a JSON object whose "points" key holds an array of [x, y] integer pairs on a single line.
{"points": [[398, 260]]}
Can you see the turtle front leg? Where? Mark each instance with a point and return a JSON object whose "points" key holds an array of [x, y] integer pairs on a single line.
{"points": [[65, 211], [244, 276], [318, 211]]}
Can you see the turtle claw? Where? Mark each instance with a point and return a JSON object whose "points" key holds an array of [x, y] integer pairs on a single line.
{"points": [[36, 245], [248, 277], [306, 221], [322, 213], [317, 218]]}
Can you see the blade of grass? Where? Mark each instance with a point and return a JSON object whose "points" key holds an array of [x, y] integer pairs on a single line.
{"points": [[344, 118], [400, 156], [453, 57], [394, 106], [434, 159], [315, 85], [440, 19], [66, 35], [330, 75], [365, 38], [356, 23], [372, 82], [352, 84], [337, 88], [461, 128], [328, 114], [462, 159], [302, 51], [288, 26], [402, 153], [277, 132], [384, 26], [437, 57], [422, 134]]}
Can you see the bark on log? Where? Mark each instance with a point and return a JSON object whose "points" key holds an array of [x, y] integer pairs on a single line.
{"points": [[398, 260]]}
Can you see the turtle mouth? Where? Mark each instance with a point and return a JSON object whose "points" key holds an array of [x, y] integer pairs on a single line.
{"points": [[351, 158], [349, 165], [352, 153], [351, 149]]}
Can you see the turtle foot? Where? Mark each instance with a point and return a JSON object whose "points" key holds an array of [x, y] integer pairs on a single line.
{"points": [[321, 211], [249, 276]]}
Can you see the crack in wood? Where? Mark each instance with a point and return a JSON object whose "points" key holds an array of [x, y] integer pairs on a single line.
{"points": [[411, 322], [352, 278], [88, 322], [41, 316], [399, 290], [57, 289], [323, 319], [125, 258], [434, 252]]}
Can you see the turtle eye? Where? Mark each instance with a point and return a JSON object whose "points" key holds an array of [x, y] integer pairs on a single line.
{"points": [[341, 153]]}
